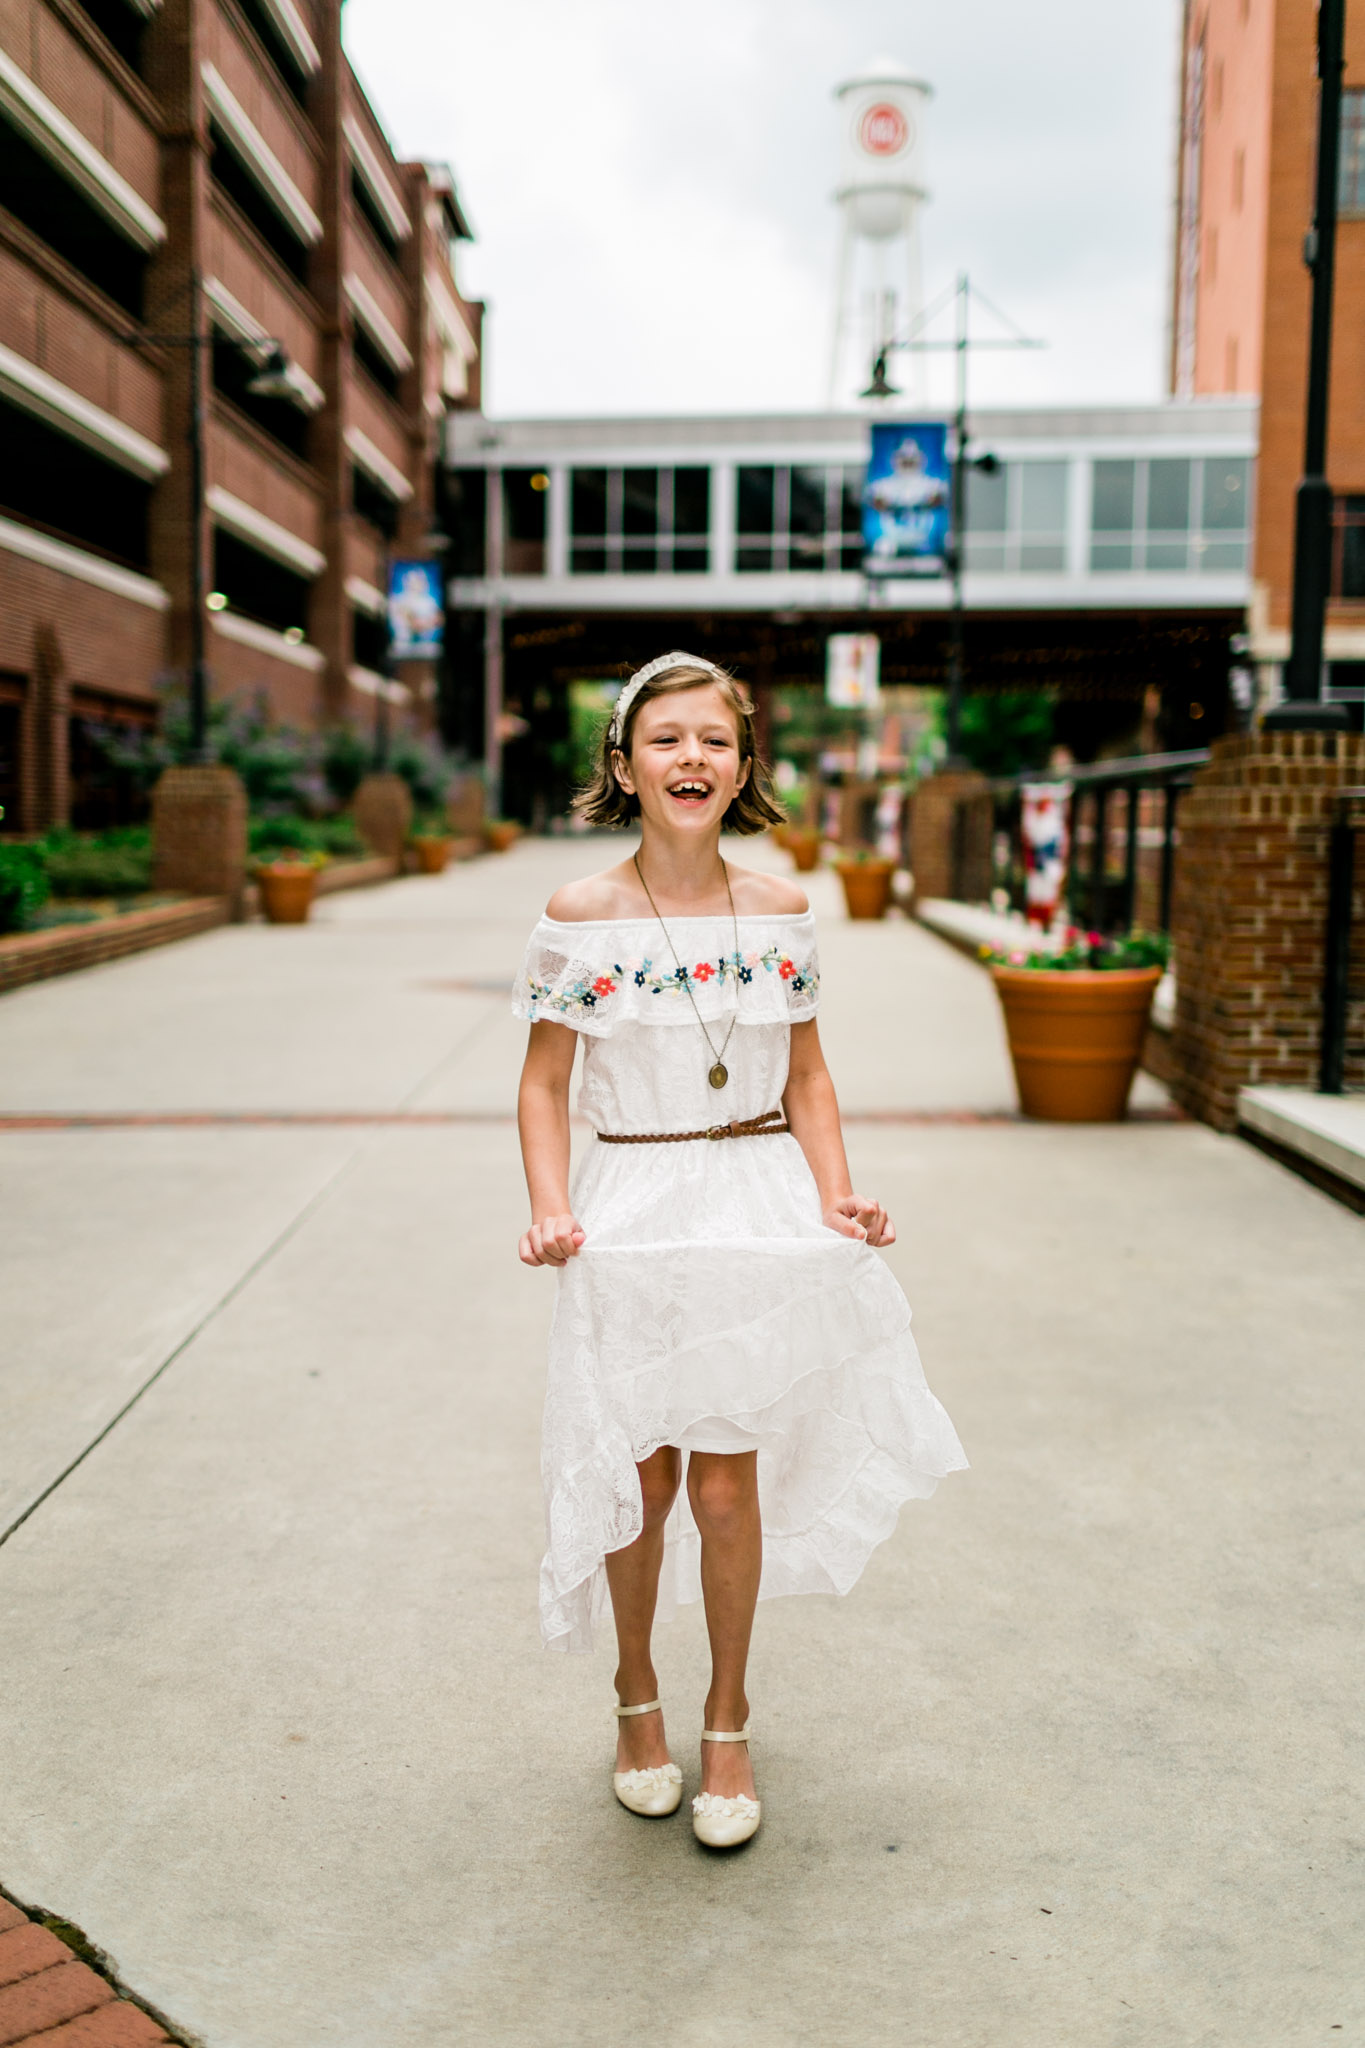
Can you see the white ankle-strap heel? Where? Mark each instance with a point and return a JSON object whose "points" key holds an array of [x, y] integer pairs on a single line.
{"points": [[725, 1823], [654, 1792]]}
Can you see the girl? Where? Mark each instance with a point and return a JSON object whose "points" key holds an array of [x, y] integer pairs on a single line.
{"points": [[720, 1302]]}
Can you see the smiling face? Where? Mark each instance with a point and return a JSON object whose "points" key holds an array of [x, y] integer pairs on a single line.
{"points": [[685, 765]]}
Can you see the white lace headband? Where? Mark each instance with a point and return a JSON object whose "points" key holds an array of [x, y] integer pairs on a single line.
{"points": [[645, 675]]}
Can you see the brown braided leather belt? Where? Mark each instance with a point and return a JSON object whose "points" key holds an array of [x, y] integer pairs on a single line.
{"points": [[771, 1124]]}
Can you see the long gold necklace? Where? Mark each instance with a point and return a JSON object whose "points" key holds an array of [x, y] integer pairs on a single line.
{"points": [[719, 1073]]}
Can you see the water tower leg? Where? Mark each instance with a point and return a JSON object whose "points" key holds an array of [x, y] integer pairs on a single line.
{"points": [[842, 311]]}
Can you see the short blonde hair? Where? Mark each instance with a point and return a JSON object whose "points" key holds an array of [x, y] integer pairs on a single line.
{"points": [[602, 801]]}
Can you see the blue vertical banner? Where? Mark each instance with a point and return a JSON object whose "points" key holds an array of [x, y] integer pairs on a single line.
{"points": [[906, 500], [416, 614]]}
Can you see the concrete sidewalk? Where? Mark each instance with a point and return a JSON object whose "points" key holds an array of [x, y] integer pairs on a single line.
{"points": [[1071, 1766]]}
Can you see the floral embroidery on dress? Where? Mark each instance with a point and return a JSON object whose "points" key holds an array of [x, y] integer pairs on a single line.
{"points": [[587, 992]]}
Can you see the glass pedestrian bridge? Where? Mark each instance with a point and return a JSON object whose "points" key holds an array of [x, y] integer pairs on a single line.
{"points": [[1120, 508]]}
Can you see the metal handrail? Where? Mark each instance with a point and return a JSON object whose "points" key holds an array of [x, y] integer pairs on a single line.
{"points": [[1348, 816]]}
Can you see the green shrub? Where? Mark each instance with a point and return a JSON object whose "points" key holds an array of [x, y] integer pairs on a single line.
{"points": [[23, 887], [425, 766], [85, 868], [336, 838], [346, 758]]}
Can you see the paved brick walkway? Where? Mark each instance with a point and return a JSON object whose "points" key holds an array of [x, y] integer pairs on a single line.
{"points": [[49, 1996]]}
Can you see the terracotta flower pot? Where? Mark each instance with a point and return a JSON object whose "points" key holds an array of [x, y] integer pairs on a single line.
{"points": [[287, 888], [867, 886], [432, 852], [804, 847], [1075, 1038], [500, 833]]}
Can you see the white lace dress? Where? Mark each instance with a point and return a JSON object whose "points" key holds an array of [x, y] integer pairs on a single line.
{"points": [[710, 1307]]}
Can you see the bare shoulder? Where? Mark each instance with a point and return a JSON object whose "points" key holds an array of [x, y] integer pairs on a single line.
{"points": [[762, 895], [594, 897]]}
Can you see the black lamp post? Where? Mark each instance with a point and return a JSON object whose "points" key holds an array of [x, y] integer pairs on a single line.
{"points": [[271, 381], [880, 386], [1303, 708]]}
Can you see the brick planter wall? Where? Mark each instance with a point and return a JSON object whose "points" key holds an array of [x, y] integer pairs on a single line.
{"points": [[35, 956], [1248, 919]]}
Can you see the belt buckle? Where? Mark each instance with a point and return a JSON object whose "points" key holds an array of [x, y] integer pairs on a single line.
{"points": [[718, 1131]]}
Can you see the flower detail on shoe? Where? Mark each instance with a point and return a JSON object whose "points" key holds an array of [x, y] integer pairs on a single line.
{"points": [[711, 1806], [649, 1779]]}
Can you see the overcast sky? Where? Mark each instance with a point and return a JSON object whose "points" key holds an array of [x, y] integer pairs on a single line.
{"points": [[650, 184]]}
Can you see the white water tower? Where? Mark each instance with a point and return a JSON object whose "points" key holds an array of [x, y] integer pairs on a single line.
{"points": [[881, 190]]}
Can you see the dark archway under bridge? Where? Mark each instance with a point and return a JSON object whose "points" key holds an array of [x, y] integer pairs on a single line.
{"points": [[1098, 666]]}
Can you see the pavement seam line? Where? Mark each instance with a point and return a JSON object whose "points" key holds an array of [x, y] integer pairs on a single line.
{"points": [[243, 1280]]}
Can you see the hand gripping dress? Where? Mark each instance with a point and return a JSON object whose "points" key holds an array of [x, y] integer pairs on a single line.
{"points": [[710, 1307]]}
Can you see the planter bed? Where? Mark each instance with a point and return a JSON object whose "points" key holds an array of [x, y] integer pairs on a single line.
{"points": [[64, 948]]}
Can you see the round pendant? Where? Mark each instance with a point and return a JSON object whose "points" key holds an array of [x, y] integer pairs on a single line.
{"points": [[719, 1074]]}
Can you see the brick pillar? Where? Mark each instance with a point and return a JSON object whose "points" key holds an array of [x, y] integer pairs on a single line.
{"points": [[49, 737], [1248, 918], [199, 833], [382, 810], [950, 854]]}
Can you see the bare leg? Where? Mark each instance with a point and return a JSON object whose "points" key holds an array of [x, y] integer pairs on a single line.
{"points": [[633, 1576], [723, 1492]]}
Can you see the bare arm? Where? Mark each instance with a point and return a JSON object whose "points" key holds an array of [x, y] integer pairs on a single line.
{"points": [[543, 1121], [813, 1113]]}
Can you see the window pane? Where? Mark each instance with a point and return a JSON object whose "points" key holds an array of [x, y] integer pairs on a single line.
{"points": [[1227, 488], [853, 482], [851, 555], [755, 500], [588, 561], [691, 501], [985, 557], [986, 501], [1168, 554], [1223, 554], [808, 501], [639, 560], [1168, 497], [751, 560], [1351, 178], [523, 504], [1042, 497], [588, 501], [1353, 561], [1037, 555], [640, 502], [1111, 554], [807, 551], [1113, 505], [690, 561]]}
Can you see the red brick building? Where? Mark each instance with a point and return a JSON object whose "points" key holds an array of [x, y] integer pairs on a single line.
{"points": [[208, 167], [1247, 157]]}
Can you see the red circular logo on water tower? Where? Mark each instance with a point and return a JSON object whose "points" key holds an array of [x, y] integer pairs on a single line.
{"points": [[883, 130]]}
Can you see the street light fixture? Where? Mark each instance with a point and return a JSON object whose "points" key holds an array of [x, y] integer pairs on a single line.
{"points": [[1303, 709], [879, 387], [274, 379]]}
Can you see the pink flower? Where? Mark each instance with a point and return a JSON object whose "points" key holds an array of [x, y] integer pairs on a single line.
{"points": [[1018, 959]]}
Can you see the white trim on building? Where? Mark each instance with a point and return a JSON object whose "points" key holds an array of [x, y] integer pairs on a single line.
{"points": [[57, 405], [376, 323], [235, 516], [371, 684], [247, 633], [294, 34], [365, 597], [92, 569], [377, 466], [79, 162], [270, 174], [376, 179], [243, 327]]}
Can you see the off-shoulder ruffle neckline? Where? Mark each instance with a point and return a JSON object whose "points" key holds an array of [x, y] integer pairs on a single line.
{"points": [[582, 924]]}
